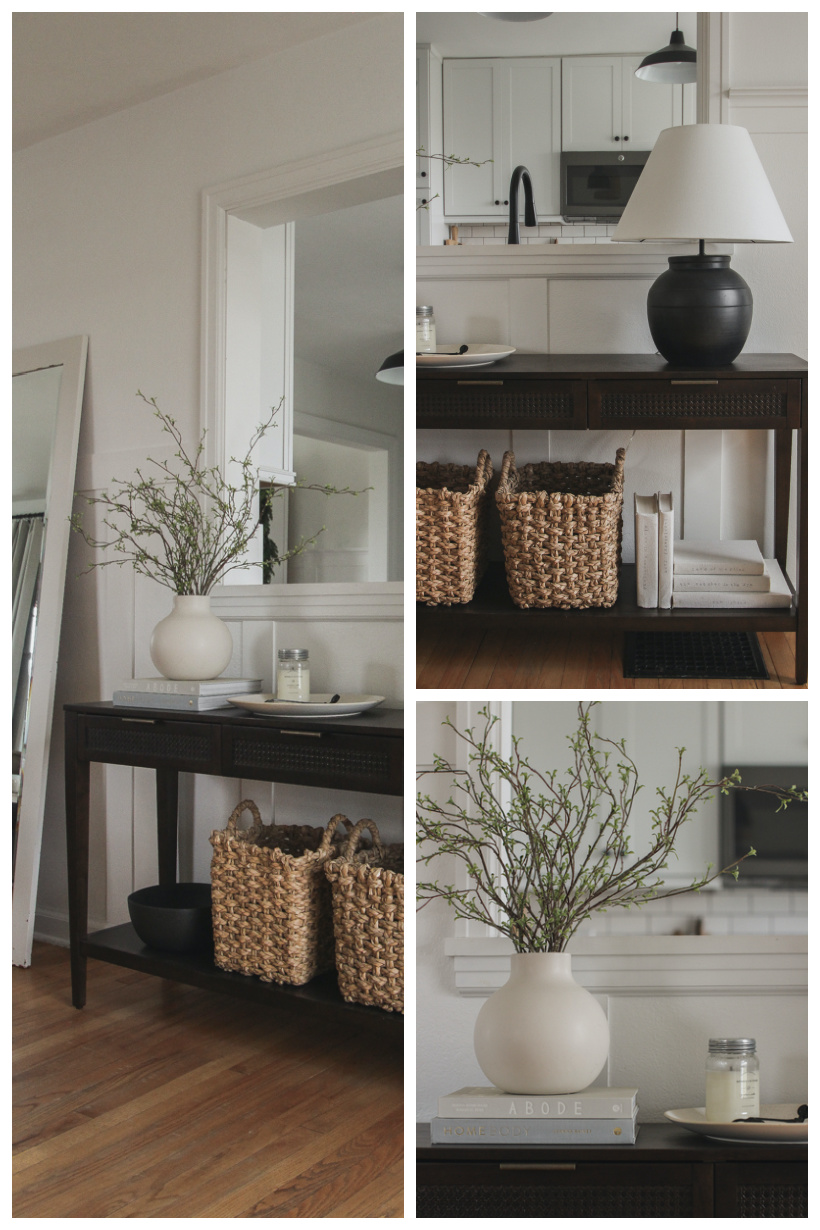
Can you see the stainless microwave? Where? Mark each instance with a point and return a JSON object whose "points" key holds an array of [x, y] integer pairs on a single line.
{"points": [[595, 187], [780, 837]]}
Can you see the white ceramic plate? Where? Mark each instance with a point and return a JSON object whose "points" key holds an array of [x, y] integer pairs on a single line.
{"points": [[477, 355], [318, 706], [694, 1119]]}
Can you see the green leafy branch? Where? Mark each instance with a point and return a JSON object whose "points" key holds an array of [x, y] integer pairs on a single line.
{"points": [[186, 526], [559, 848]]}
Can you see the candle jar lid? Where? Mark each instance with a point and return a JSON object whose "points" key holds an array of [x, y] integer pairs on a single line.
{"points": [[293, 655], [735, 1045]]}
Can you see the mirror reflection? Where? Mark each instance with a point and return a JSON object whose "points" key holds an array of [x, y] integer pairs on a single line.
{"points": [[313, 307], [35, 397], [47, 393]]}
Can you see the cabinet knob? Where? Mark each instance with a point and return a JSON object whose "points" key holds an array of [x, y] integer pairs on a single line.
{"points": [[424, 175], [424, 200], [626, 138], [617, 138]]}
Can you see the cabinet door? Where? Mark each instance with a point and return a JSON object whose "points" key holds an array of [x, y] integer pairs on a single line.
{"points": [[472, 129], [591, 95], [531, 111]]}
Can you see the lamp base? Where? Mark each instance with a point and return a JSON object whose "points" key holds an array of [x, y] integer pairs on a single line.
{"points": [[700, 311]]}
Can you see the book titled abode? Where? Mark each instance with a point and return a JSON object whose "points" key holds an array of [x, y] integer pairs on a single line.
{"points": [[485, 1101]]}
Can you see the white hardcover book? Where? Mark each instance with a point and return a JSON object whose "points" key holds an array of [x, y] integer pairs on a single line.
{"points": [[779, 595], [487, 1102], [646, 549], [666, 525], [192, 687], [534, 1131], [168, 700], [732, 582], [713, 555]]}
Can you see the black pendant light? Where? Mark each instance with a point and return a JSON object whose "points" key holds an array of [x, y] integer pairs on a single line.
{"points": [[675, 64], [392, 370]]}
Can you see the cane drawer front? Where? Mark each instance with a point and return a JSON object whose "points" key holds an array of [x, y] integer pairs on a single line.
{"points": [[345, 761], [761, 1189], [698, 401], [154, 742], [561, 1189], [501, 401]]}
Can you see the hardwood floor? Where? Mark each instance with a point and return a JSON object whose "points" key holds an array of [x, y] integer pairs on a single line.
{"points": [[450, 660], [161, 1100]]}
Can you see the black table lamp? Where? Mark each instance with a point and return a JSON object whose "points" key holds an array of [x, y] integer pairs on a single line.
{"points": [[702, 182]]}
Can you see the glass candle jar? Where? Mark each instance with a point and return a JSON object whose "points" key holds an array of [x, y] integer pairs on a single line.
{"points": [[425, 330], [732, 1080], [293, 675]]}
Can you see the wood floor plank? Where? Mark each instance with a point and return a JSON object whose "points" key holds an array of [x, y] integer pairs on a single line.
{"points": [[572, 660], [172, 1102]]}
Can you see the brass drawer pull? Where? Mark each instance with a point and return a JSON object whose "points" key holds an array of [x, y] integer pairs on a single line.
{"points": [[304, 734], [480, 382], [536, 1165], [694, 382], [141, 721]]}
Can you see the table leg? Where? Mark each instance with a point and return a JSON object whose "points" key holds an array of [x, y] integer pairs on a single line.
{"points": [[167, 812], [77, 779]]}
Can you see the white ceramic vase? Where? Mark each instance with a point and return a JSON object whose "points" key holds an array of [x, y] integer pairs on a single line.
{"points": [[541, 1032], [191, 642]]}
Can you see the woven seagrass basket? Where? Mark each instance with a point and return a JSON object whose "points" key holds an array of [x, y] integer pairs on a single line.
{"points": [[368, 920], [451, 529], [561, 528], [271, 902]]}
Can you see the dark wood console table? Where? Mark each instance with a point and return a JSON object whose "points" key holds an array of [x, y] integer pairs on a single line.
{"points": [[607, 392], [669, 1172], [363, 753]]}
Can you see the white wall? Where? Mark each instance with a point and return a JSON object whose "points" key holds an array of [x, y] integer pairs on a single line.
{"points": [[661, 1014], [108, 243]]}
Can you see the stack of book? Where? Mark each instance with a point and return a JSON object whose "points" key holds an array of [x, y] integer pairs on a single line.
{"points": [[194, 694], [654, 526], [730, 573], [487, 1116]]}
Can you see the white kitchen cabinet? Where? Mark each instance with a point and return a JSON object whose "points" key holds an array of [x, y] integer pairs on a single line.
{"points": [[606, 107], [502, 113], [429, 182]]}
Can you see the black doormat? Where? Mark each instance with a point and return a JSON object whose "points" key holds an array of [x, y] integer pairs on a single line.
{"points": [[693, 655]]}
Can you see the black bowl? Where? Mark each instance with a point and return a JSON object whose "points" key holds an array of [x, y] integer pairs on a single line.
{"points": [[174, 917]]}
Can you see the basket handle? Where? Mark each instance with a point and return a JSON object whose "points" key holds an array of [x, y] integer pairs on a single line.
{"points": [[332, 825], [620, 457], [508, 470], [356, 834], [233, 821], [484, 468]]}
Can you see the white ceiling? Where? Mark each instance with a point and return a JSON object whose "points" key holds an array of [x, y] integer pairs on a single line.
{"points": [[560, 34], [72, 68]]}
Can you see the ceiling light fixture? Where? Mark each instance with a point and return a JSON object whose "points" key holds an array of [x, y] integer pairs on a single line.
{"points": [[675, 64]]}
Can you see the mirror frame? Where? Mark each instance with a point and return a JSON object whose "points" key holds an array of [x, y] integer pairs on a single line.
{"points": [[316, 184], [70, 354]]}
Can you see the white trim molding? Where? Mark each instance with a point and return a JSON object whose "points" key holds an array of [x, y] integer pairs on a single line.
{"points": [[548, 260], [327, 602], [656, 966]]}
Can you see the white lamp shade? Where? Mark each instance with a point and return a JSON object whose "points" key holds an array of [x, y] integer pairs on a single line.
{"points": [[703, 181]]}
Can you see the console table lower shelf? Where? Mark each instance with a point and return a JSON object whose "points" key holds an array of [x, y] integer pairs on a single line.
{"points": [[122, 946], [668, 1173]]}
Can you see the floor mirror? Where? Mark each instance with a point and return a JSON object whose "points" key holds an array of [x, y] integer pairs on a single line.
{"points": [[47, 397]]}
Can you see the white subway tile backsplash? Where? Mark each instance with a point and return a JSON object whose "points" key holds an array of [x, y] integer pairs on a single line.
{"points": [[750, 911], [748, 924]]}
